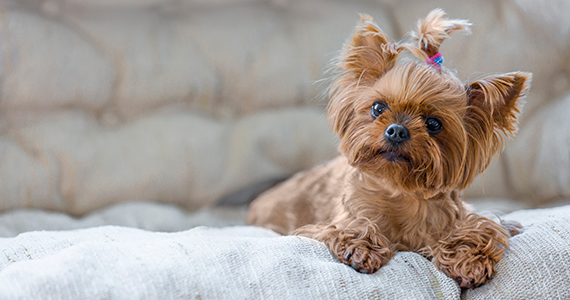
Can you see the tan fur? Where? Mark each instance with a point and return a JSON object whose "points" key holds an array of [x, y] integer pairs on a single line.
{"points": [[435, 29], [381, 197]]}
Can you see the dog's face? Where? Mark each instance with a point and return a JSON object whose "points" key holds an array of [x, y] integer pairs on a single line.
{"points": [[415, 127]]}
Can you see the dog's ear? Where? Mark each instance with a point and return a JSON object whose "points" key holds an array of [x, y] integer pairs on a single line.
{"points": [[368, 53], [493, 104], [365, 57], [499, 98]]}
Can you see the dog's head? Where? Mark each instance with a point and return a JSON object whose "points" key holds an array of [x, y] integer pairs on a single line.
{"points": [[414, 123]]}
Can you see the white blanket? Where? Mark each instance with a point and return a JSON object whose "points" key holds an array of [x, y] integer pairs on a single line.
{"points": [[112, 262]]}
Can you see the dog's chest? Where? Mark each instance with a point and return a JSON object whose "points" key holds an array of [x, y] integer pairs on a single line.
{"points": [[414, 224]]}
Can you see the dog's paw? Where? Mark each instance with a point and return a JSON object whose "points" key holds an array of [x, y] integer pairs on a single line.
{"points": [[469, 253], [362, 256], [469, 265], [471, 271]]}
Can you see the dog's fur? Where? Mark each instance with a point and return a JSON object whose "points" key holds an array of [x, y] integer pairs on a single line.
{"points": [[379, 196]]}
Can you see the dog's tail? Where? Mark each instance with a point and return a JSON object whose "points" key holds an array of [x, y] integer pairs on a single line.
{"points": [[435, 29]]}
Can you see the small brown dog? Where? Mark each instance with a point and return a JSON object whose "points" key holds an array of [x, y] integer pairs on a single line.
{"points": [[412, 136]]}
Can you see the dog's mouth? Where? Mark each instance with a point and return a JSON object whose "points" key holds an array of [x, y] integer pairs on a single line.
{"points": [[389, 155], [392, 156]]}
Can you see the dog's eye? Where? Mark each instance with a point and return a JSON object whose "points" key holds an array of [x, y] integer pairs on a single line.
{"points": [[433, 125], [377, 109]]}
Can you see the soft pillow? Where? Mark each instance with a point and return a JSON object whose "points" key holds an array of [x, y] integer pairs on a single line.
{"points": [[113, 262]]}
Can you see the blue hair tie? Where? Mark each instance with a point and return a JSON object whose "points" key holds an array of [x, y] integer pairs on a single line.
{"points": [[435, 61]]}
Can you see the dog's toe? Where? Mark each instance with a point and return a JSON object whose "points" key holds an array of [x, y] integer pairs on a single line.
{"points": [[365, 260], [361, 268], [467, 282], [347, 255]]}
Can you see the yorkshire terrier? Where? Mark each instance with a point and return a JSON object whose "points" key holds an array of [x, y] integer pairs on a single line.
{"points": [[412, 136]]}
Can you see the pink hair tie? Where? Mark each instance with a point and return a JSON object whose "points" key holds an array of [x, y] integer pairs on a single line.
{"points": [[435, 61]]}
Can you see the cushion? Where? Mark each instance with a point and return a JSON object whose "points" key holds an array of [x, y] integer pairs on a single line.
{"points": [[111, 262]]}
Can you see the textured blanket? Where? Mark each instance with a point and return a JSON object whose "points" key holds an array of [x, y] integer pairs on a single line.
{"points": [[240, 262]]}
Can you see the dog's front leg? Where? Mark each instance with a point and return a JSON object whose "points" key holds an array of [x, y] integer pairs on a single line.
{"points": [[469, 253], [357, 244]]}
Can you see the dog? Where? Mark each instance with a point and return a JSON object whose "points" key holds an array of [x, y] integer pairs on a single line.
{"points": [[412, 137]]}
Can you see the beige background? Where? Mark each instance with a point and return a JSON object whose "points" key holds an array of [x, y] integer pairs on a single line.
{"points": [[183, 102]]}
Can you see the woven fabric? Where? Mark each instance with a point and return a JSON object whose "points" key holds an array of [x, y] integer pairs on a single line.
{"points": [[537, 265], [112, 262], [203, 263]]}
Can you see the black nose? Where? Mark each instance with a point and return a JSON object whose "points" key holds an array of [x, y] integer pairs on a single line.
{"points": [[396, 134]]}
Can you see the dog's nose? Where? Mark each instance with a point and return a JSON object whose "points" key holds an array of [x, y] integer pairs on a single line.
{"points": [[397, 134]]}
